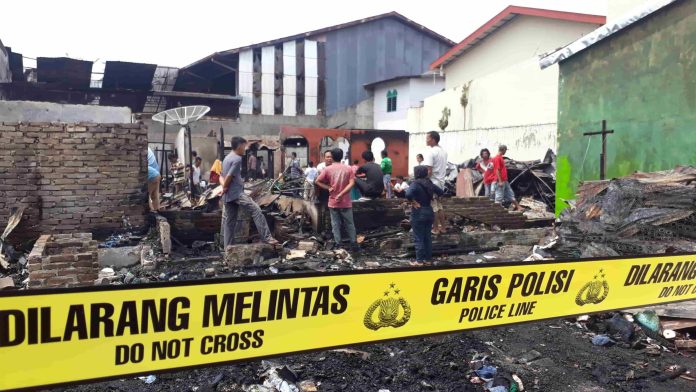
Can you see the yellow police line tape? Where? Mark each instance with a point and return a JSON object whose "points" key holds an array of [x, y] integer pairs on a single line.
{"points": [[50, 337]]}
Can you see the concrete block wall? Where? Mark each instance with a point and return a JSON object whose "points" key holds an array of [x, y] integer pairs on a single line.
{"points": [[63, 260], [72, 177]]}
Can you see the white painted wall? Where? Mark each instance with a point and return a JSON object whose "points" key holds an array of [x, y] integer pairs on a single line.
{"points": [[506, 86], [410, 93], [311, 76], [5, 75], [619, 8], [289, 79], [268, 80], [246, 81], [391, 120], [527, 142], [522, 38]]}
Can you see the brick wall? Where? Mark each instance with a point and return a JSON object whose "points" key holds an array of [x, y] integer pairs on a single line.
{"points": [[72, 177], [63, 260]]}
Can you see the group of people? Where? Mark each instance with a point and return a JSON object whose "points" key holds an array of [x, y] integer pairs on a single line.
{"points": [[342, 184], [495, 177]]}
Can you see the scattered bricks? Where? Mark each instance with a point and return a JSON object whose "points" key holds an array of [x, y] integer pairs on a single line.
{"points": [[309, 246], [6, 283], [391, 244], [63, 260], [59, 258], [147, 258], [247, 254], [165, 235]]}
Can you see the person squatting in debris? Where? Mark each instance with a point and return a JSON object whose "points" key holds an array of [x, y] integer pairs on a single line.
{"points": [[234, 197], [400, 187], [501, 187], [435, 159], [421, 193], [485, 166], [370, 180], [153, 181], [386, 166], [339, 179], [311, 175]]}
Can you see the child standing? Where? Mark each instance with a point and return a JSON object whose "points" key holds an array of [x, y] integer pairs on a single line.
{"points": [[420, 193]]}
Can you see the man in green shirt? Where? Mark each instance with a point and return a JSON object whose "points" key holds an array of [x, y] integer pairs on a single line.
{"points": [[386, 166]]}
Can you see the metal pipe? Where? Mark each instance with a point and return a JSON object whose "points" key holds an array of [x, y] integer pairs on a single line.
{"points": [[190, 156], [222, 144], [164, 133]]}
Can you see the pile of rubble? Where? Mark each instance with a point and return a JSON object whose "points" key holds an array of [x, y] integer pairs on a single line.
{"points": [[644, 213]]}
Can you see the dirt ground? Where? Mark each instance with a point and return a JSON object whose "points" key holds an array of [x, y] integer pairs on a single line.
{"points": [[547, 356], [567, 362]]}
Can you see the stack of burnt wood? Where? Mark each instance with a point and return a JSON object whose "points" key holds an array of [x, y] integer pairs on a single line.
{"points": [[644, 213]]}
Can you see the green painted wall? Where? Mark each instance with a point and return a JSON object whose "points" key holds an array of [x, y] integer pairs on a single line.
{"points": [[643, 82]]}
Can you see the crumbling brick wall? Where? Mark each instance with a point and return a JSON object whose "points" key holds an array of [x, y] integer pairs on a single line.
{"points": [[72, 177], [63, 260]]}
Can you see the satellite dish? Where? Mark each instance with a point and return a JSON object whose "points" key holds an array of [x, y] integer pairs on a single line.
{"points": [[182, 115]]}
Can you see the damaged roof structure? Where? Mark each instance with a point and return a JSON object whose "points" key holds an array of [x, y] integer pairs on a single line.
{"points": [[143, 88]]}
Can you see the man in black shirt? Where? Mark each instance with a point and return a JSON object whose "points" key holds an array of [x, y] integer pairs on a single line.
{"points": [[370, 178]]}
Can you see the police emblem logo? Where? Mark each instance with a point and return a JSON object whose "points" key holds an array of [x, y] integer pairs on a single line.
{"points": [[594, 291], [392, 310]]}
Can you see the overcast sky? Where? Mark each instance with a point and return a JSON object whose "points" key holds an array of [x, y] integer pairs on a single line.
{"points": [[177, 33]]}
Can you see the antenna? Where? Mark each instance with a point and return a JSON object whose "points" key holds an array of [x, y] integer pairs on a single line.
{"points": [[183, 116]]}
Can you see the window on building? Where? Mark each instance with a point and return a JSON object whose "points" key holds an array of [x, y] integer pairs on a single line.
{"points": [[391, 101]]}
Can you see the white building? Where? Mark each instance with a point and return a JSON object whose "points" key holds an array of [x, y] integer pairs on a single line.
{"points": [[495, 92], [392, 98]]}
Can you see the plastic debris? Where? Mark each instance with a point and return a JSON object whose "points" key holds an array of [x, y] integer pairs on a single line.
{"points": [[602, 340]]}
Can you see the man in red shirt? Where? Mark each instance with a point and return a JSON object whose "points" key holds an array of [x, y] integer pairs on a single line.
{"points": [[501, 187], [339, 179]]}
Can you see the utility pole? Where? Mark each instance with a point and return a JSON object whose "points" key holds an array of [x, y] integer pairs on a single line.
{"points": [[603, 156]]}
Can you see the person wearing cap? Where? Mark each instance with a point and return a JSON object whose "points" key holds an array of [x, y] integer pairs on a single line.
{"points": [[501, 187]]}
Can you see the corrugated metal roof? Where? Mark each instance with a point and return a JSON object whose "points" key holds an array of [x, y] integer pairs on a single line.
{"points": [[313, 33], [603, 32]]}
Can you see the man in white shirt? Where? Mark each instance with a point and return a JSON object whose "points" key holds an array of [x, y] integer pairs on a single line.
{"points": [[197, 174], [435, 159], [311, 174]]}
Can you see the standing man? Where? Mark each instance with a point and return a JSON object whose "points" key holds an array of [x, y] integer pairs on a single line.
{"points": [[234, 197], [339, 179], [197, 172], [295, 167], [251, 167], [386, 166], [262, 167], [372, 185], [153, 181], [311, 174], [501, 187], [436, 161]]}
